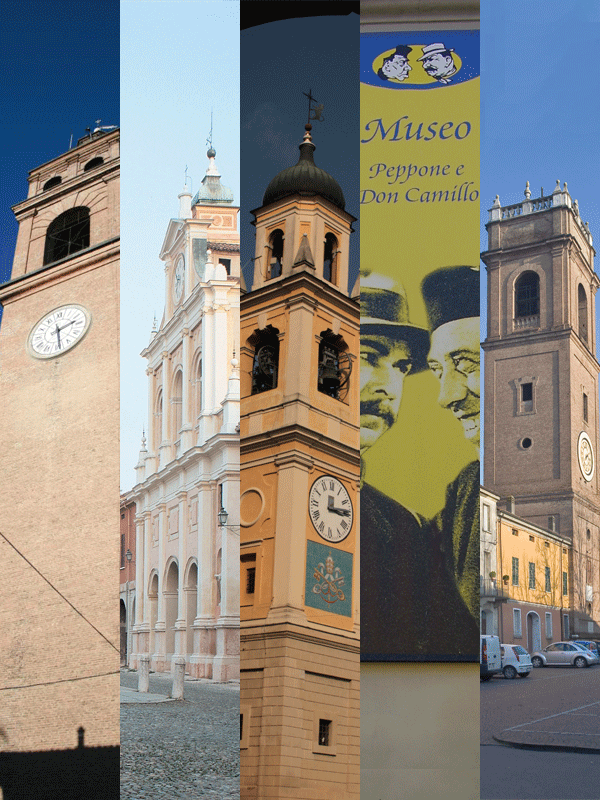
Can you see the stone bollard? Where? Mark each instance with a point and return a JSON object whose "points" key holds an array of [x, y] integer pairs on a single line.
{"points": [[144, 673], [178, 674]]}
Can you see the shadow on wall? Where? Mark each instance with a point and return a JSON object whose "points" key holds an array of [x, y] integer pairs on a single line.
{"points": [[83, 772]]}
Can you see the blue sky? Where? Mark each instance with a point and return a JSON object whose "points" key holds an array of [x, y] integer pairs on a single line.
{"points": [[282, 60], [540, 108], [60, 73], [540, 103], [179, 60]]}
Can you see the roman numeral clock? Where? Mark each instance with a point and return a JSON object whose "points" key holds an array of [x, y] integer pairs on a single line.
{"points": [[330, 509]]}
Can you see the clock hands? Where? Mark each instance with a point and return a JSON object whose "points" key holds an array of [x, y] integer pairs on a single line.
{"points": [[342, 512], [60, 328]]}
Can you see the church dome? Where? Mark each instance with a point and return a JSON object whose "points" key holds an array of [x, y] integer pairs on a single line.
{"points": [[305, 178], [212, 190]]}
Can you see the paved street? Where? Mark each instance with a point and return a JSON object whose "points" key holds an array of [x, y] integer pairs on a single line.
{"points": [[556, 708], [174, 749]]}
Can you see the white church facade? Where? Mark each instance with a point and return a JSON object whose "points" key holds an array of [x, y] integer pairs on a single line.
{"points": [[186, 571]]}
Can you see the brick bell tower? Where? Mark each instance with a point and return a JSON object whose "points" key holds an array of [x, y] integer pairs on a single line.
{"points": [[59, 496], [299, 482], [541, 381]]}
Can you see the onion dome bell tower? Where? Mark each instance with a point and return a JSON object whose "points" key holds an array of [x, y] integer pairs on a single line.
{"points": [[302, 225], [299, 472]]}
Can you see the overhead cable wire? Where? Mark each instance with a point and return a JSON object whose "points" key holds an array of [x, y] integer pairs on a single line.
{"points": [[77, 611]]}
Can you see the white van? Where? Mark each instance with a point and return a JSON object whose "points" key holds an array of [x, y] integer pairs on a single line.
{"points": [[490, 661]]}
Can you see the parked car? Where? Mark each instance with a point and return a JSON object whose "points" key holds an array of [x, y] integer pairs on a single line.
{"points": [[564, 653], [489, 657], [515, 661], [589, 645]]}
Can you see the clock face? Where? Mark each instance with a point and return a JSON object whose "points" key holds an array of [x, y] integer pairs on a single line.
{"points": [[330, 509], [585, 454], [58, 331], [178, 279]]}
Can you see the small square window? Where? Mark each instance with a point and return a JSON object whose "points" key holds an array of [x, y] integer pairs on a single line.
{"points": [[526, 392], [324, 732], [250, 580], [531, 538]]}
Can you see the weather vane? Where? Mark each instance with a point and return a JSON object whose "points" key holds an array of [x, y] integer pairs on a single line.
{"points": [[317, 110], [209, 140]]}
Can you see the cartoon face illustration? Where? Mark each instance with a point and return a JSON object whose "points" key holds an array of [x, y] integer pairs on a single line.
{"points": [[395, 66], [438, 62]]}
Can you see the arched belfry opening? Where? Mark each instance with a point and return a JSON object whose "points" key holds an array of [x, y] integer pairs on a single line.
{"points": [[276, 254], [67, 234], [582, 309], [52, 183], [335, 366], [330, 250], [265, 364], [527, 295]]}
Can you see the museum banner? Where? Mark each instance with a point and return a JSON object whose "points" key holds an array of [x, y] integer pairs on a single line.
{"points": [[419, 284]]}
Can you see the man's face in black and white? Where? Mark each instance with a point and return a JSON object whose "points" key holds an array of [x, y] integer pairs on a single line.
{"points": [[438, 65], [384, 363], [454, 359]]}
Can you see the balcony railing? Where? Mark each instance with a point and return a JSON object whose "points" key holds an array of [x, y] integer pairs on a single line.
{"points": [[528, 322], [493, 588]]}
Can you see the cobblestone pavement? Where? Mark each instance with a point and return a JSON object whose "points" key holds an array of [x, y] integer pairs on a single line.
{"points": [[183, 749]]}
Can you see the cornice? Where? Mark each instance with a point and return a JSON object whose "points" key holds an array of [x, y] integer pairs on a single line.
{"points": [[76, 184], [57, 270]]}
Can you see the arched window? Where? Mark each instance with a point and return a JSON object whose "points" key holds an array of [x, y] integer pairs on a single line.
{"points": [[265, 366], [198, 387], [330, 257], [334, 366], [158, 412], [67, 234], [583, 313], [527, 295], [177, 403], [52, 182], [95, 162], [276, 247]]}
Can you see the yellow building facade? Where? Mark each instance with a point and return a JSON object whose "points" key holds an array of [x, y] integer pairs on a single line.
{"points": [[533, 567]]}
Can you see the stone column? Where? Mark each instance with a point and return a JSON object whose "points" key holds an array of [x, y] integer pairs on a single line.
{"points": [[290, 550], [160, 627], [204, 624], [186, 409], [226, 662], [208, 391], [180, 622], [165, 444]]}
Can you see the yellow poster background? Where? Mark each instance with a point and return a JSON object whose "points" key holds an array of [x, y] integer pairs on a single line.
{"points": [[426, 448]]}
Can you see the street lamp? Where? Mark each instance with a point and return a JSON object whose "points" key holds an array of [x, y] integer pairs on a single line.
{"points": [[222, 517], [129, 555]]}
